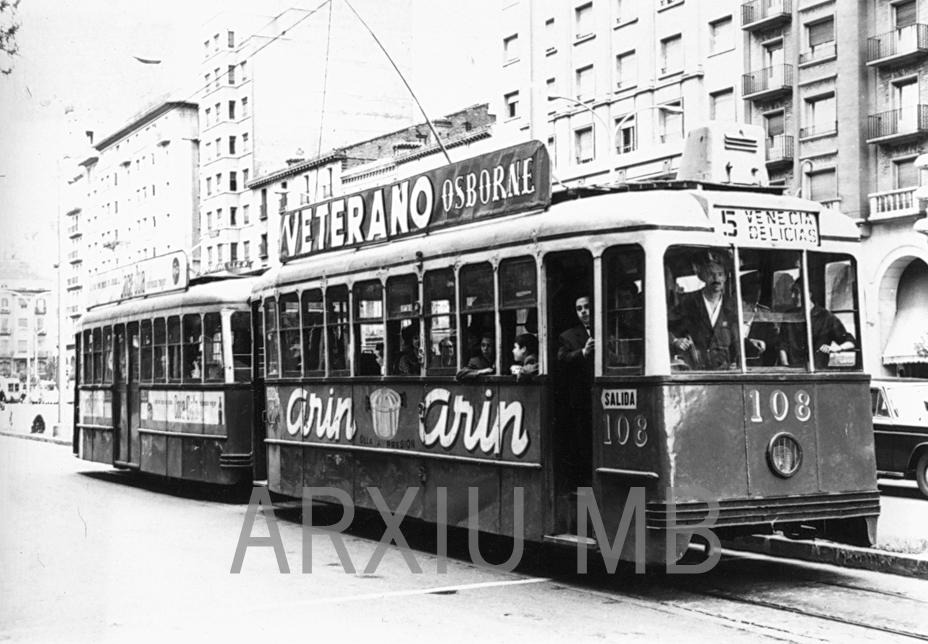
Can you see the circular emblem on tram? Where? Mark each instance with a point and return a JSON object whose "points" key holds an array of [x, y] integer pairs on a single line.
{"points": [[784, 455], [385, 412]]}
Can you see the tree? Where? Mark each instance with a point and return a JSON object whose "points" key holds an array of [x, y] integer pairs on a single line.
{"points": [[9, 25]]}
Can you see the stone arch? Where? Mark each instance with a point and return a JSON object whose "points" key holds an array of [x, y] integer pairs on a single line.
{"points": [[883, 300]]}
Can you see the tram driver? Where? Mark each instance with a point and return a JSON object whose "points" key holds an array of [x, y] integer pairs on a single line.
{"points": [[704, 325]]}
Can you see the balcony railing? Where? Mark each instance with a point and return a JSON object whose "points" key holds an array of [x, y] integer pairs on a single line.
{"points": [[73, 231], [74, 257], [765, 13], [893, 203], [818, 129], [767, 82], [819, 52], [897, 46], [779, 149], [895, 125]]}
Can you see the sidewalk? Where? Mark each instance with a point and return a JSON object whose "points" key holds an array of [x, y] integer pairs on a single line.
{"points": [[896, 532]]}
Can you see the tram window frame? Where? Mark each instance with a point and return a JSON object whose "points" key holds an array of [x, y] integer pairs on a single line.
{"points": [[404, 310], [120, 361], [97, 348], [475, 315], [365, 291], [175, 349], [441, 349], [766, 276], [289, 330], [685, 356], [133, 348], [146, 341], [108, 355], [271, 341], [160, 350], [192, 329], [819, 264], [337, 323], [240, 328], [312, 307], [515, 303], [213, 362], [623, 268], [88, 357]]}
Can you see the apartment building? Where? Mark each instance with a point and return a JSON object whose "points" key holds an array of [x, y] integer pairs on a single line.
{"points": [[28, 323], [612, 86], [280, 90]]}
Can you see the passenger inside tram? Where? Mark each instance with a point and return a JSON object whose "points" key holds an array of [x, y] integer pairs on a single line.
{"points": [[409, 363], [702, 327], [829, 335], [760, 331], [483, 364], [525, 356]]}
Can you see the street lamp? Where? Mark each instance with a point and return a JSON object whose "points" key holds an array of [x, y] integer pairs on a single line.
{"points": [[615, 132]]}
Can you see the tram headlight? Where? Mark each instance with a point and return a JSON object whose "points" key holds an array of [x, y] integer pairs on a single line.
{"points": [[784, 455]]}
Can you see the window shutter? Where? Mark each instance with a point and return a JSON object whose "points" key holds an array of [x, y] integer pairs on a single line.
{"points": [[821, 32], [906, 14], [824, 185]]}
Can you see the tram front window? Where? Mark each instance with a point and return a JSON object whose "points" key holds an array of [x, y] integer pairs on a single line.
{"points": [[624, 279], [702, 314]]}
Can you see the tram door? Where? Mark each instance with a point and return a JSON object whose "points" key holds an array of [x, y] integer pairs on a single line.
{"points": [[132, 392], [120, 416], [259, 422], [569, 278]]}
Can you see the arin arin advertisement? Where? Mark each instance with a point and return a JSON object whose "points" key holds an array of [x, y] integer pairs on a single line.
{"points": [[502, 182], [587, 509]]}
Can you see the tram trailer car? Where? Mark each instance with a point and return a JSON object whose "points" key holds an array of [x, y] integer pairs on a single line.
{"points": [[779, 436], [165, 385]]}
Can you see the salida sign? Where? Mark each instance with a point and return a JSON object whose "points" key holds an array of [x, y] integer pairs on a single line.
{"points": [[502, 182]]}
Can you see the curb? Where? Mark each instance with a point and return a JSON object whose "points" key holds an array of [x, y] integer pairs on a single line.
{"points": [[57, 440], [835, 554]]}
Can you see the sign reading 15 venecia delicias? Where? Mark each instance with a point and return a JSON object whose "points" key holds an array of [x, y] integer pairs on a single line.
{"points": [[502, 182]]}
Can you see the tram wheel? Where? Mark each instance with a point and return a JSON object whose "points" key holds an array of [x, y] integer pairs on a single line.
{"points": [[921, 473]]}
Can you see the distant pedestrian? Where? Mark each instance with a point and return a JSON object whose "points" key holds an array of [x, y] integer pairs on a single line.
{"points": [[38, 424]]}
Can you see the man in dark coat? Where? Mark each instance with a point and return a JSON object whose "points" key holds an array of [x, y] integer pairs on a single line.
{"points": [[704, 329], [828, 335], [575, 360]]}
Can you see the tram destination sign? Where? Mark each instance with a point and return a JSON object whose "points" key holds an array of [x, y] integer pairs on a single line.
{"points": [[793, 228], [152, 276], [503, 182]]}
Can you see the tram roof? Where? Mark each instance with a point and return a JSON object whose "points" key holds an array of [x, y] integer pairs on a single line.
{"points": [[673, 210], [213, 294]]}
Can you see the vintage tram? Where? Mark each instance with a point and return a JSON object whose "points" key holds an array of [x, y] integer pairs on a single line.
{"points": [[388, 336], [164, 377]]}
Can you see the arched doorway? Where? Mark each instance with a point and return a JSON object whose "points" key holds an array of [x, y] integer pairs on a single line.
{"points": [[905, 346]]}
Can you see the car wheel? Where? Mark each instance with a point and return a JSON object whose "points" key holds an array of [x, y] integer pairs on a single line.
{"points": [[921, 473]]}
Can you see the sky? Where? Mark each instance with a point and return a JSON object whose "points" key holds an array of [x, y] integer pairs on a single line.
{"points": [[76, 71]]}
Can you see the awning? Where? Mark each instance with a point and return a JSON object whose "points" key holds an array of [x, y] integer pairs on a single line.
{"points": [[908, 339]]}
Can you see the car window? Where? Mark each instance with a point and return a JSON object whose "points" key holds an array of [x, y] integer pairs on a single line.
{"points": [[910, 403], [878, 404]]}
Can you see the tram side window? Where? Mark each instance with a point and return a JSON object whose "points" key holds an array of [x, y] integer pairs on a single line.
{"points": [[768, 311], [241, 347], [97, 356], [440, 322], [702, 314], [160, 350], [212, 347], [368, 326], [134, 346], [313, 332], [834, 311], [403, 328], [518, 289], [270, 338], [193, 352], [290, 352], [174, 349], [336, 298], [624, 293], [87, 353], [146, 342], [478, 317], [107, 355]]}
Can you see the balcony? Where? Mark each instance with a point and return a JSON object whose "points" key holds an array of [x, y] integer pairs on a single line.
{"points": [[893, 203], [767, 83], [898, 47], [73, 231], [818, 129], [74, 283], [762, 14], [897, 126], [779, 150], [74, 257], [825, 51]]}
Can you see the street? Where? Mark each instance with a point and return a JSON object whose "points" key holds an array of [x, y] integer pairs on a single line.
{"points": [[91, 554]]}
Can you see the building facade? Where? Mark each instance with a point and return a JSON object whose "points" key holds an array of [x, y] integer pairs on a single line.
{"points": [[282, 90], [612, 86], [28, 324]]}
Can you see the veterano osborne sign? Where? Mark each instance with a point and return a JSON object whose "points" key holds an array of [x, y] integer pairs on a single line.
{"points": [[502, 182]]}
